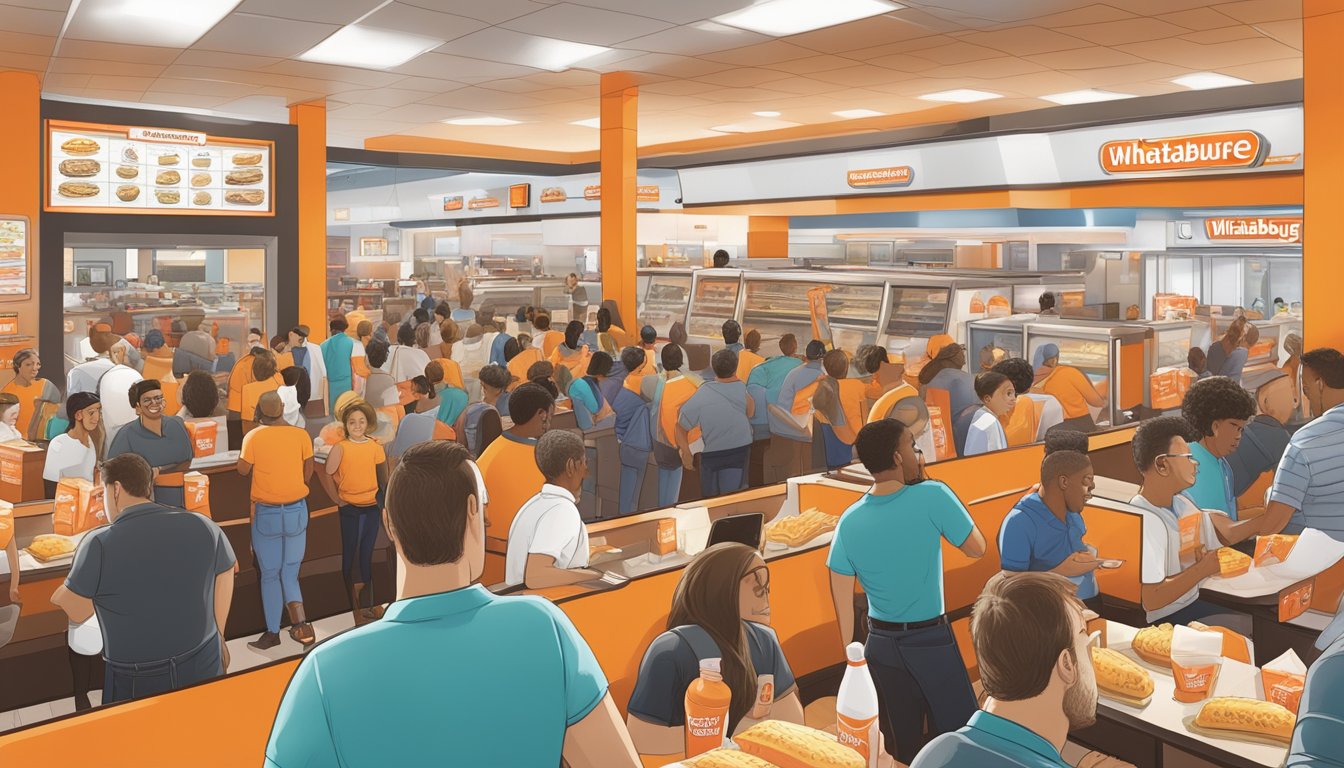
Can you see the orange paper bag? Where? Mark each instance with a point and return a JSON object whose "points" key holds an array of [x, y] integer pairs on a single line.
{"points": [[78, 506], [196, 489], [1191, 540], [6, 523], [1273, 549], [1283, 679], [667, 536], [203, 436]]}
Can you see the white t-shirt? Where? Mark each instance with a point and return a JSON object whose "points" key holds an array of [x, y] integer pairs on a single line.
{"points": [[1052, 413], [84, 377], [114, 393], [8, 433], [68, 457], [548, 524], [293, 413], [986, 434], [1162, 545], [405, 363]]}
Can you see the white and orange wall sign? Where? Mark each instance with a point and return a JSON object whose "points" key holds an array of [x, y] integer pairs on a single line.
{"points": [[1205, 151], [1279, 229]]}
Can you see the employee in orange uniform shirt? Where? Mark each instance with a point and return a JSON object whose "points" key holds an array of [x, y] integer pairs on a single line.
{"points": [[279, 459], [239, 377], [525, 358], [355, 476], [839, 403], [545, 338], [667, 392], [571, 353], [750, 355], [31, 391], [648, 337], [1069, 386], [509, 465], [265, 378]]}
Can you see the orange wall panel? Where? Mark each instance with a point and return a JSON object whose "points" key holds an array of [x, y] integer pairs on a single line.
{"points": [[1323, 79], [620, 176], [311, 119], [767, 237], [21, 192]]}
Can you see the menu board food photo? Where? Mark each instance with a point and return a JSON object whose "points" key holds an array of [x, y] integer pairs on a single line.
{"points": [[130, 169], [13, 256]]}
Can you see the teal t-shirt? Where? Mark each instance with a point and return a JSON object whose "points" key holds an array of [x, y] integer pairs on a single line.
{"points": [[1213, 483], [893, 545], [452, 402], [989, 741], [462, 678]]}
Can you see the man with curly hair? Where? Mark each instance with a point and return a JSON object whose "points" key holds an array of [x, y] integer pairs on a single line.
{"points": [[1218, 409]]}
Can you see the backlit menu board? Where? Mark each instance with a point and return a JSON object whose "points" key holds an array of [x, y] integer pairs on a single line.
{"points": [[131, 169], [13, 257]]}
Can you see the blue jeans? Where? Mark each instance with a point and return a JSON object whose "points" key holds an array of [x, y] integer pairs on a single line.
{"points": [[359, 534], [838, 452], [632, 482], [669, 474], [723, 471], [127, 681], [918, 672], [279, 536]]}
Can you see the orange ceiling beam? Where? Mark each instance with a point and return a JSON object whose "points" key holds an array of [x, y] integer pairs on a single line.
{"points": [[1323, 77]]}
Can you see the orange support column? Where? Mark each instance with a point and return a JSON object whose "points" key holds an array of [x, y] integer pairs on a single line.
{"points": [[1323, 80], [767, 237], [21, 194], [311, 119], [620, 111]]}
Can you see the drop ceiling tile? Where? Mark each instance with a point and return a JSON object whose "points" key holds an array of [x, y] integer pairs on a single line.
{"points": [[32, 21], [1159, 7], [676, 66], [210, 73], [1004, 12], [23, 62], [460, 68], [403, 17], [762, 54], [571, 78], [223, 59], [382, 97], [695, 41], [326, 11], [127, 98], [902, 62], [582, 24], [673, 88], [102, 67], [211, 87], [1021, 41], [879, 30], [1286, 32], [264, 35], [427, 84], [189, 100], [354, 111], [1212, 57], [425, 113], [42, 5], [740, 77], [958, 53], [1224, 35], [1125, 31], [1041, 83], [1267, 71], [1113, 77], [1091, 14], [489, 11], [1198, 19], [859, 76], [64, 81], [479, 99], [367, 77], [611, 61], [745, 95], [680, 12], [116, 52], [821, 63], [28, 44], [1256, 11], [801, 85], [1086, 58], [992, 69], [914, 46]]}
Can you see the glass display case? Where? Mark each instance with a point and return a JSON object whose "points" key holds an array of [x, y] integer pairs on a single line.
{"points": [[1113, 356], [714, 299], [507, 295], [1170, 377], [1005, 333], [917, 311], [779, 305], [665, 299], [1171, 343]]}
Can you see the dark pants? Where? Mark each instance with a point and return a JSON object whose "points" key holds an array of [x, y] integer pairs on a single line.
{"points": [[918, 672], [123, 682], [1084, 424], [756, 464], [723, 471], [82, 670], [359, 533]]}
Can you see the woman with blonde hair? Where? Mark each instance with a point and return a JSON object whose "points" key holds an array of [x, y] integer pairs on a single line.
{"points": [[355, 477]]}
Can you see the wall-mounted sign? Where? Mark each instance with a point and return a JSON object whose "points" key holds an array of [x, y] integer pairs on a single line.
{"points": [[553, 195], [644, 193], [372, 247], [520, 195], [340, 214], [898, 176], [1281, 229], [13, 257], [477, 203], [592, 192], [94, 168], [1230, 149], [453, 203]]}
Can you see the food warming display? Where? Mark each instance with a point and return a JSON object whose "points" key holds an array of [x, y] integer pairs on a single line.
{"points": [[779, 304], [1170, 378], [666, 297], [714, 300], [917, 311], [1114, 357]]}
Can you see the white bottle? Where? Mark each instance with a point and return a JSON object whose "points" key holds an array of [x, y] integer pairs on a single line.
{"points": [[856, 708]]}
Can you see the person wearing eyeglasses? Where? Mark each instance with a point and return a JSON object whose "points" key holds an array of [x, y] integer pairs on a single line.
{"points": [[161, 439], [708, 621], [1170, 573]]}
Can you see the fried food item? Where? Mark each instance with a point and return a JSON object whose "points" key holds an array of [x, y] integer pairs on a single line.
{"points": [[80, 168], [127, 192], [247, 158], [789, 745], [77, 189], [1153, 644], [795, 531], [200, 161], [127, 171], [201, 198], [168, 196], [245, 197], [49, 546], [246, 176], [172, 159], [1247, 716], [200, 179], [727, 758], [80, 146], [167, 177], [1121, 678], [1232, 563]]}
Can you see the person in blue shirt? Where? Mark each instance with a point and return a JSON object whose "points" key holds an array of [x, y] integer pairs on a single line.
{"points": [[632, 428], [1033, 649], [1319, 734], [770, 374], [891, 541], [462, 676], [1306, 491], [1218, 408], [1044, 532], [795, 388], [732, 335]]}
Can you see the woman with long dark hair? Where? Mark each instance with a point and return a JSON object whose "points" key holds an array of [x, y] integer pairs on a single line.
{"points": [[708, 621]]}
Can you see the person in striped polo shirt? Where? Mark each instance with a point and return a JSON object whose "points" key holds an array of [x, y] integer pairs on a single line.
{"points": [[1308, 490]]}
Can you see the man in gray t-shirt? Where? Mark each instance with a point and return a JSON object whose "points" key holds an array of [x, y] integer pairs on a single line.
{"points": [[160, 581], [160, 439], [722, 410]]}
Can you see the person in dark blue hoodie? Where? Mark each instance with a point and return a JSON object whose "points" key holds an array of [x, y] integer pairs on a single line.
{"points": [[632, 427], [1044, 531]]}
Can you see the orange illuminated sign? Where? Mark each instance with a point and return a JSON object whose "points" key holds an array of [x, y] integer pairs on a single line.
{"points": [[452, 203], [897, 176], [520, 195], [1231, 149], [477, 203], [1285, 229], [644, 193]]}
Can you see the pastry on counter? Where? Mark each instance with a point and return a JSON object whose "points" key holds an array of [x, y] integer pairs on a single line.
{"points": [[789, 744], [51, 546], [1232, 563], [1153, 644], [1120, 678], [726, 758], [1247, 717]]}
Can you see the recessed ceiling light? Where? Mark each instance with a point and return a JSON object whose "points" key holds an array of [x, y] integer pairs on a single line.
{"points": [[1086, 96], [481, 121], [552, 54], [766, 114], [592, 122], [854, 114], [1202, 81], [961, 95], [790, 17], [370, 48], [753, 126], [167, 23]]}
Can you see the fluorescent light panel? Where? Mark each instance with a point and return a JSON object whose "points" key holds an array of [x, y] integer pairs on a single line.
{"points": [[1202, 81], [961, 95], [369, 48], [767, 113], [854, 114], [1086, 96], [790, 17], [166, 23], [754, 125], [555, 55], [592, 122], [491, 121]]}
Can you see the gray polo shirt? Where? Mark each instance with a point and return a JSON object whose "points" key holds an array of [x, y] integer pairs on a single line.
{"points": [[173, 447], [151, 577], [719, 408], [1310, 478]]}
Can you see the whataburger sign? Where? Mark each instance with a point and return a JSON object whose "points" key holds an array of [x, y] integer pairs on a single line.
{"points": [[1284, 229], [1229, 149]]}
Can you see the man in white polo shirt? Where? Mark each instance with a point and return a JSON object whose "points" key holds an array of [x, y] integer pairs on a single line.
{"points": [[548, 543]]}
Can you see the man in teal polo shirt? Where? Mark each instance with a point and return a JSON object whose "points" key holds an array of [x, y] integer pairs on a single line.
{"points": [[1032, 645], [452, 674], [891, 541]]}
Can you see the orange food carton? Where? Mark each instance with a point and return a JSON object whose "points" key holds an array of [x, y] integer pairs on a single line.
{"points": [[1295, 600], [203, 437], [196, 489], [1235, 645], [78, 506], [667, 536], [1273, 549], [1283, 679], [1191, 540], [6, 523]]}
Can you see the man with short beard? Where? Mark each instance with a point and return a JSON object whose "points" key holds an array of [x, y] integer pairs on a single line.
{"points": [[1033, 648]]}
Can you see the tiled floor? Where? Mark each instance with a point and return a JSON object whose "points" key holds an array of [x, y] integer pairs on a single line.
{"points": [[241, 658]]}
